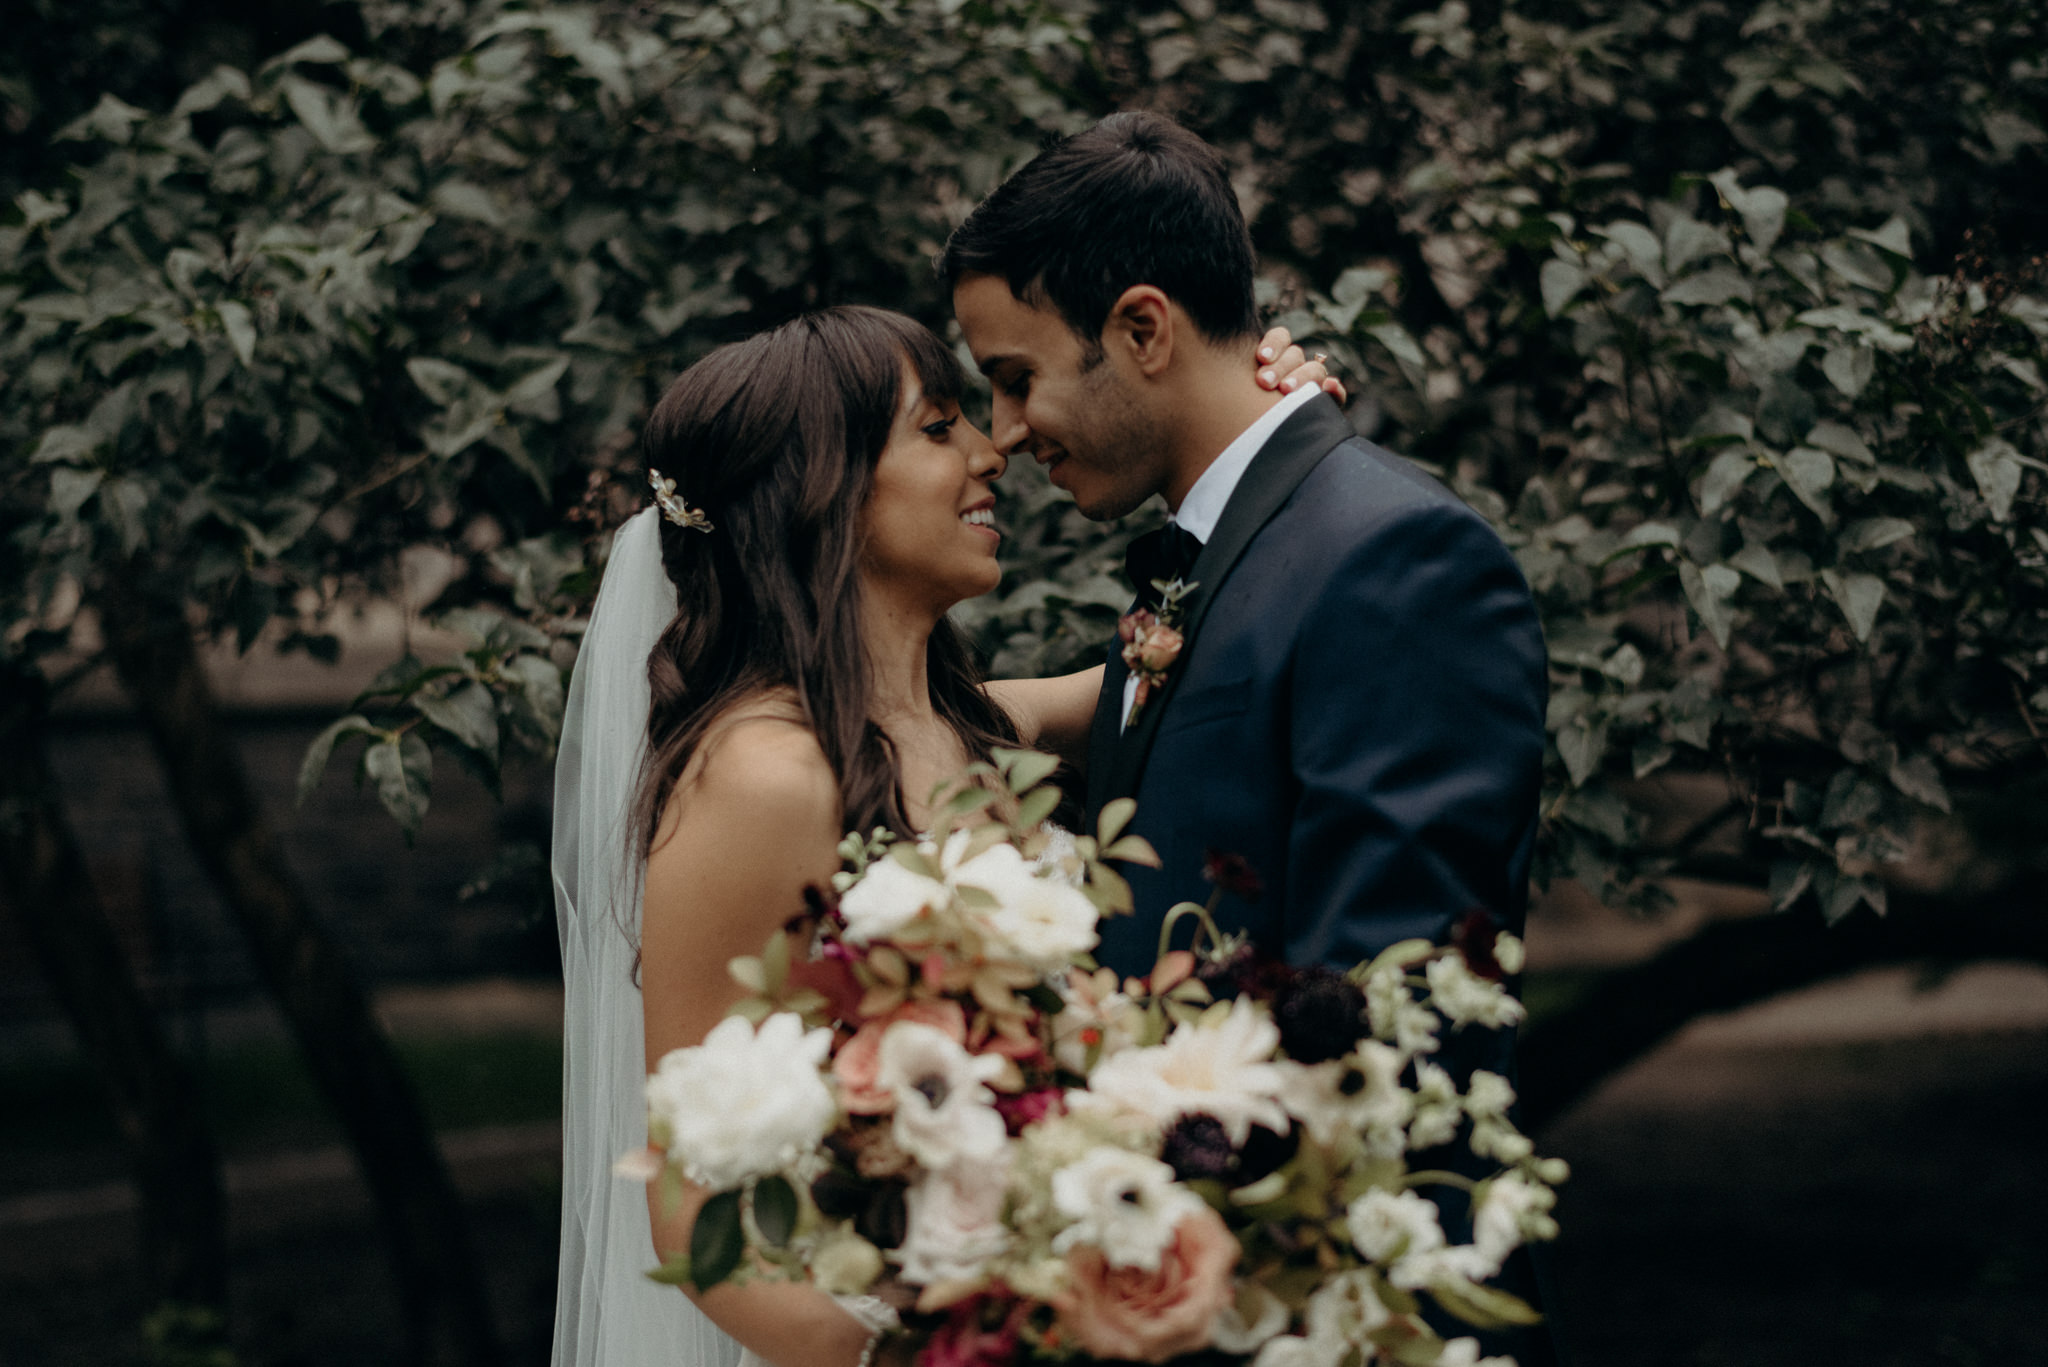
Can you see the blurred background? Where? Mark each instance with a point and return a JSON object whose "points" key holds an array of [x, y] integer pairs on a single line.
{"points": [[325, 334]]}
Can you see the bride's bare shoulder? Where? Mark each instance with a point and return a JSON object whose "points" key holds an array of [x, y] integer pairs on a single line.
{"points": [[759, 765]]}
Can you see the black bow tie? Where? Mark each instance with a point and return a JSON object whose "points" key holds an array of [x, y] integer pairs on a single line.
{"points": [[1167, 554]]}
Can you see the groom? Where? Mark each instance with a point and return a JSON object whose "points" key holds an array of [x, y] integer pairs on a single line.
{"points": [[1357, 709]]}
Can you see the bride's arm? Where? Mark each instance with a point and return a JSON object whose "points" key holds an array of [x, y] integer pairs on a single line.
{"points": [[1052, 714], [758, 821]]}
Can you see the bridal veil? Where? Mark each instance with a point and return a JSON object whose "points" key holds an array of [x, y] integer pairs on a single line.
{"points": [[607, 1314]]}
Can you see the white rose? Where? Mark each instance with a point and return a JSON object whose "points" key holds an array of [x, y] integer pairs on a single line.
{"points": [[1221, 1065], [1124, 1203], [887, 898], [944, 1111], [1385, 1225], [744, 1103], [955, 1223], [1041, 921]]}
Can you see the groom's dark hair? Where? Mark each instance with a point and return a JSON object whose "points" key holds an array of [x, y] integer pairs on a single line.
{"points": [[1135, 200]]}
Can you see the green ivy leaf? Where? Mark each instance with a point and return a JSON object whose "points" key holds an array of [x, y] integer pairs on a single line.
{"points": [[322, 748], [468, 713], [401, 767], [775, 1210], [716, 1240], [1859, 596]]}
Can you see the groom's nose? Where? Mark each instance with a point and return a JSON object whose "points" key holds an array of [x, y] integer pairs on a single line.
{"points": [[1007, 428]]}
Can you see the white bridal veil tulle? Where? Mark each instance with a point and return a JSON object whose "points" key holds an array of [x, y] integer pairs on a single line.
{"points": [[607, 1314]]}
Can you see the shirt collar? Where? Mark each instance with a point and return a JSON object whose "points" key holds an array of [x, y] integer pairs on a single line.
{"points": [[1203, 507]]}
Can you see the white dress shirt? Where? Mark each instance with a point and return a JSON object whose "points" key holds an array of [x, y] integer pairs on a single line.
{"points": [[1202, 509]]}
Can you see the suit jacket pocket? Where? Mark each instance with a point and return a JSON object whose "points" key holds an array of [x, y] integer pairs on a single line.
{"points": [[1210, 702]]}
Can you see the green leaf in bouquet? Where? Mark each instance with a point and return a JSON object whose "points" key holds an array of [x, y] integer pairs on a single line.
{"points": [[775, 963], [1134, 849], [1025, 769], [914, 859], [716, 1241], [1407, 1341], [1037, 805], [1483, 1307], [1108, 889], [775, 1210], [1115, 816], [747, 971], [962, 803], [674, 1270], [668, 1190], [1267, 1191]]}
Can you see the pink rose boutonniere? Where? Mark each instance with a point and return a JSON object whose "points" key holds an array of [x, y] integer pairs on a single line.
{"points": [[1153, 640]]}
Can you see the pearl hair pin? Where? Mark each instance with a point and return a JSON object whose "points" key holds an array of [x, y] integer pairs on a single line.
{"points": [[672, 505]]}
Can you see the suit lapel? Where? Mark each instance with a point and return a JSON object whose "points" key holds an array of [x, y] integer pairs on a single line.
{"points": [[1294, 449]]}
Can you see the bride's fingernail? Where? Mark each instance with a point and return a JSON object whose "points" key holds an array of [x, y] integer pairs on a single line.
{"points": [[1265, 353], [1265, 377]]}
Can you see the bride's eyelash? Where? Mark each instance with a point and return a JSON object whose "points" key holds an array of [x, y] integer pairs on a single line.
{"points": [[937, 430]]}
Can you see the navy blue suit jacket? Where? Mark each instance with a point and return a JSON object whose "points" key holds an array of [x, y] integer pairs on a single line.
{"points": [[1358, 712]]}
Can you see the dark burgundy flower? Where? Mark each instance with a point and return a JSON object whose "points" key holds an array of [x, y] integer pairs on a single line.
{"points": [[1321, 1014], [1264, 1151], [1196, 1147], [1027, 1108], [1234, 874], [885, 1220], [1473, 937]]}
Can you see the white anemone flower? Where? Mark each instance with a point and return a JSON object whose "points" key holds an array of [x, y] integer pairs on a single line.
{"points": [[1359, 1094], [887, 898], [744, 1103], [1041, 921], [1126, 1204], [1220, 1065], [945, 1112]]}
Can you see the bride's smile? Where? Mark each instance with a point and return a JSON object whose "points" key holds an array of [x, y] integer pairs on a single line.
{"points": [[930, 538]]}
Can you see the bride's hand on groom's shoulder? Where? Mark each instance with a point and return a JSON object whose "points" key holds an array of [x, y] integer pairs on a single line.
{"points": [[1286, 367]]}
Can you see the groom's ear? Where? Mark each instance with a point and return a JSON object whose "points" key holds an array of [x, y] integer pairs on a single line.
{"points": [[1140, 329]]}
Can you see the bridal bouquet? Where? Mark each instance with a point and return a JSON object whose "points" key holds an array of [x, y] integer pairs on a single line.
{"points": [[933, 1096]]}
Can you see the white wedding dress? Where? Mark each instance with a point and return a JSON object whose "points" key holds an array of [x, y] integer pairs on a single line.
{"points": [[607, 1313]]}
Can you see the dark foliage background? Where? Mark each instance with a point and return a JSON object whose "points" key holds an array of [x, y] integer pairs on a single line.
{"points": [[1730, 317]]}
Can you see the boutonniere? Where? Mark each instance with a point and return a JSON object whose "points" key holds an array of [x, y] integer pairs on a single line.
{"points": [[1152, 640]]}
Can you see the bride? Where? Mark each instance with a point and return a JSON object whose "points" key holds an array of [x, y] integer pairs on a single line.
{"points": [[769, 665]]}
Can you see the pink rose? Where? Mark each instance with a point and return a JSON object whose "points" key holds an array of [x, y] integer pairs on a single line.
{"points": [[1153, 649], [1131, 623], [1130, 1314], [858, 1060]]}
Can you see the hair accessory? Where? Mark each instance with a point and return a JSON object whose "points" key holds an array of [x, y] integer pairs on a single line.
{"points": [[672, 505]]}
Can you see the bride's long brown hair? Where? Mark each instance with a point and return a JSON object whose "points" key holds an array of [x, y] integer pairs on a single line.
{"points": [[776, 438]]}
